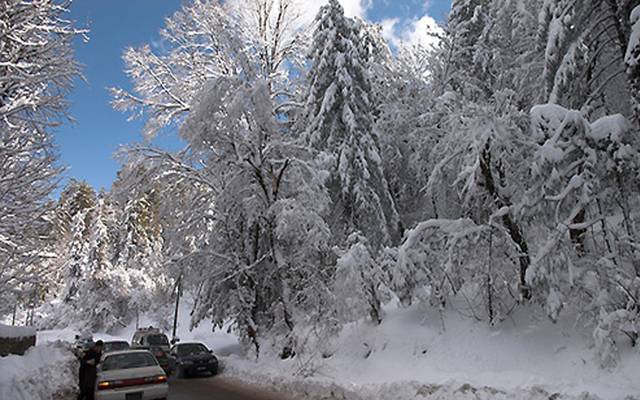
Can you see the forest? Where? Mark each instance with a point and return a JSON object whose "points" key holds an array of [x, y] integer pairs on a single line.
{"points": [[326, 172]]}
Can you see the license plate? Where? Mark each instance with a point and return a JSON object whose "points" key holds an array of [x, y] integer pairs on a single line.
{"points": [[133, 396], [201, 368]]}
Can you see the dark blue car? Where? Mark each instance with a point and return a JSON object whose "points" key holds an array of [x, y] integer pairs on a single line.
{"points": [[194, 359]]}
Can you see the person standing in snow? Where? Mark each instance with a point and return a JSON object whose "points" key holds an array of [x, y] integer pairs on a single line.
{"points": [[89, 371]]}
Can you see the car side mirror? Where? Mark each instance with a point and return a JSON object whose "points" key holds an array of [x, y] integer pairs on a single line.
{"points": [[211, 351]]}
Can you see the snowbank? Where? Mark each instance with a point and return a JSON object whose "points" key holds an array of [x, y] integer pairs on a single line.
{"points": [[45, 372], [413, 352], [313, 389]]}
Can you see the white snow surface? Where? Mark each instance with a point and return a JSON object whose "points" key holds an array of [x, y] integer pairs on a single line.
{"points": [[45, 372], [409, 354], [416, 353], [612, 127], [7, 331]]}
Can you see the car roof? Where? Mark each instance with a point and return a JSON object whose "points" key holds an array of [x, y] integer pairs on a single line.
{"points": [[132, 351], [149, 333], [150, 329], [115, 341], [186, 343]]}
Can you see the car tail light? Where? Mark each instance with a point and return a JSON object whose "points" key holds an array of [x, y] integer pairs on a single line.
{"points": [[156, 379], [151, 380], [104, 385]]}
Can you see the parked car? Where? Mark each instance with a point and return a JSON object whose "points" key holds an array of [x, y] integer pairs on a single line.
{"points": [[156, 342], [115, 345], [146, 337], [164, 359], [194, 358], [131, 375]]}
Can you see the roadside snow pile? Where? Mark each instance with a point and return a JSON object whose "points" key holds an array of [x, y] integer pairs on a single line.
{"points": [[314, 389], [416, 353], [45, 372]]}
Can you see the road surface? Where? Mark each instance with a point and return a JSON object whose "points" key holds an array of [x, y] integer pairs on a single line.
{"points": [[217, 388]]}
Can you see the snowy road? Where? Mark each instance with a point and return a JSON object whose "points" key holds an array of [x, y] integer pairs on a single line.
{"points": [[217, 388]]}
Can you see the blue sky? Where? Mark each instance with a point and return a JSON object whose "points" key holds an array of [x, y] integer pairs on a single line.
{"points": [[87, 146]]}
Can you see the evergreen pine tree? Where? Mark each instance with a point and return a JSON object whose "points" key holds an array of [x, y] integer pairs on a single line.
{"points": [[339, 117]]}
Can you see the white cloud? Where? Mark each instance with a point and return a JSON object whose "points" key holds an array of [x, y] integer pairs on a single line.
{"points": [[355, 8], [389, 27], [419, 31], [398, 32], [352, 8], [423, 30]]}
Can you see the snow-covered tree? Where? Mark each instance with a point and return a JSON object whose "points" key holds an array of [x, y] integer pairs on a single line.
{"points": [[283, 213], [139, 254], [205, 40], [37, 67], [584, 49], [587, 170], [74, 269], [103, 296], [480, 119], [340, 127], [406, 137], [358, 281], [252, 231], [632, 53]]}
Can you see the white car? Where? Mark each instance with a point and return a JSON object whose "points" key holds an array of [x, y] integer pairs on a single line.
{"points": [[131, 375]]}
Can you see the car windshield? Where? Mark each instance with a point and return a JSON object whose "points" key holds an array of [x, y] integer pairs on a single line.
{"points": [[157, 340], [115, 346], [186, 349], [128, 360]]}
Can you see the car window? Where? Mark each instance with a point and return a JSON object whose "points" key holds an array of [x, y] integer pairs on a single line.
{"points": [[127, 361], [115, 346], [157, 340], [195, 348]]}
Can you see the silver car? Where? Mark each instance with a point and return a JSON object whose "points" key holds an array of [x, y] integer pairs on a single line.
{"points": [[131, 375]]}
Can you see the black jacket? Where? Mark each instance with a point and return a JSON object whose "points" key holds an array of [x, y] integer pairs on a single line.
{"points": [[89, 369]]}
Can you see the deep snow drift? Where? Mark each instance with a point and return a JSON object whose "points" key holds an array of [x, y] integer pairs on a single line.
{"points": [[46, 372], [409, 352]]}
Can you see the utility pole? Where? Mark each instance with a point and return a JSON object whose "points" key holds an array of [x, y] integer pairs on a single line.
{"points": [[15, 312], [175, 315]]}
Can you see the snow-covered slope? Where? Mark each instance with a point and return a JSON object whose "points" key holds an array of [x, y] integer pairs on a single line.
{"points": [[521, 355], [417, 353]]}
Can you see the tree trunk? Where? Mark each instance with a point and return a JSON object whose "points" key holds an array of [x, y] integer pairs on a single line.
{"points": [[577, 235], [512, 227]]}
